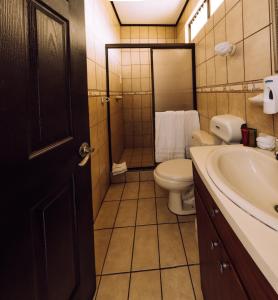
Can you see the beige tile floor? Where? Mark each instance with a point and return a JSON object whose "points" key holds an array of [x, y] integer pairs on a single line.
{"points": [[138, 157], [142, 250]]}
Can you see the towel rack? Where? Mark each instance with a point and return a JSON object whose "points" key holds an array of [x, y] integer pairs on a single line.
{"points": [[118, 98]]}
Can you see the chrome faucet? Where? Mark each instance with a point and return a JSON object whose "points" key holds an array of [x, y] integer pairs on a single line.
{"points": [[276, 148]]}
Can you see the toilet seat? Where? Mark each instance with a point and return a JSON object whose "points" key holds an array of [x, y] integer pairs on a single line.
{"points": [[179, 170]]}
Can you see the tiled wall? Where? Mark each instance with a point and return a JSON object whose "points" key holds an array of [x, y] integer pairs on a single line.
{"points": [[148, 34], [116, 104], [225, 84], [101, 27]]}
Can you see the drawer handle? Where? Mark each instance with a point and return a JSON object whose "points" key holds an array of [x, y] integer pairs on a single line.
{"points": [[214, 244], [214, 212], [224, 266]]}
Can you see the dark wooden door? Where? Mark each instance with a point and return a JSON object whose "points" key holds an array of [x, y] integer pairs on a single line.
{"points": [[46, 212]]}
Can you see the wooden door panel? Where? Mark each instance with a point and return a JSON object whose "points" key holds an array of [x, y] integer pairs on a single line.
{"points": [[60, 6], [50, 99], [47, 251], [13, 80], [56, 245]]}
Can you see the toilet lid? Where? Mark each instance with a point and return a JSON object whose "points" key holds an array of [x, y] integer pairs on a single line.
{"points": [[176, 169]]}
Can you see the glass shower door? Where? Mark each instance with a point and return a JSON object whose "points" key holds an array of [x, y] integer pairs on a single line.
{"points": [[173, 79]]}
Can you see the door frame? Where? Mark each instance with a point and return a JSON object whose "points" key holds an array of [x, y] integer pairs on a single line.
{"points": [[151, 46]]}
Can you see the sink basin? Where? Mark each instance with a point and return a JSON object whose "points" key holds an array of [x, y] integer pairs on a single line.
{"points": [[248, 178]]}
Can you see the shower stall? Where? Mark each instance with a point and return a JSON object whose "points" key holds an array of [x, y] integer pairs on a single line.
{"points": [[143, 79]]}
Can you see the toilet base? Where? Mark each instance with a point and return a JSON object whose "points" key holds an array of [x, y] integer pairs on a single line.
{"points": [[175, 205]]}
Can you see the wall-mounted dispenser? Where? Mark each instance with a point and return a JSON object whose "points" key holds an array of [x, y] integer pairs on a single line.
{"points": [[271, 95]]}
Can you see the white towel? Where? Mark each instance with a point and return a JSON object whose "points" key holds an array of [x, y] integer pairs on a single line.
{"points": [[266, 142], [174, 133], [164, 138], [179, 134], [191, 124], [119, 168]]}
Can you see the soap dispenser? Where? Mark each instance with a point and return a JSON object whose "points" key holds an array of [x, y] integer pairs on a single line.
{"points": [[271, 95]]}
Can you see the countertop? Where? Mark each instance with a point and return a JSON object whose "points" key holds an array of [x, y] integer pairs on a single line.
{"points": [[260, 241]]}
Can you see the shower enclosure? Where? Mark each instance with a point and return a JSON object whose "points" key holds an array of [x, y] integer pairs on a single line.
{"points": [[142, 79]]}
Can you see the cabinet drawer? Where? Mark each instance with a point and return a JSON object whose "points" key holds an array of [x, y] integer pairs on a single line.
{"points": [[254, 282]]}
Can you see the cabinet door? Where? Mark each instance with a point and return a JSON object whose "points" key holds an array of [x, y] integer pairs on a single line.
{"points": [[209, 249], [231, 287], [218, 277]]}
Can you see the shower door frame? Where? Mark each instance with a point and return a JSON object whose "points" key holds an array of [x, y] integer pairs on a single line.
{"points": [[151, 46]]}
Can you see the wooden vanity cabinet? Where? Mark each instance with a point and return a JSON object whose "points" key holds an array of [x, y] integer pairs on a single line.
{"points": [[219, 279], [227, 270]]}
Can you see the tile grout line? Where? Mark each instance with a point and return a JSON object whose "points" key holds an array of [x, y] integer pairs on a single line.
{"points": [[183, 244], [159, 260], [191, 279], [163, 223], [108, 246], [104, 201], [134, 235], [147, 270]]}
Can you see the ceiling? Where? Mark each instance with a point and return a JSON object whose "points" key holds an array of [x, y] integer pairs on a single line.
{"points": [[149, 11]]}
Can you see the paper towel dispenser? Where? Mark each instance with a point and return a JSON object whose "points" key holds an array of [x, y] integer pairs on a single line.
{"points": [[227, 128]]}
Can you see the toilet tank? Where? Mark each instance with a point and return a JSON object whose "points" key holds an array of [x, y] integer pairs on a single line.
{"points": [[227, 128], [202, 138]]}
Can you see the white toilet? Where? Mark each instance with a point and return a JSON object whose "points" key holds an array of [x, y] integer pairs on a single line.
{"points": [[176, 175]]}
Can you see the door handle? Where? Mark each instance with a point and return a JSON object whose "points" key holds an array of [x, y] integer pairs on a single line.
{"points": [[214, 212], [224, 266], [85, 152], [214, 244]]}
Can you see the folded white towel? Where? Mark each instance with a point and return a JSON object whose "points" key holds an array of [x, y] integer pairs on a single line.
{"points": [[266, 142], [268, 139], [119, 168]]}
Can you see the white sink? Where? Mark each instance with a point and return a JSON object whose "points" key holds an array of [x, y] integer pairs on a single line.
{"points": [[248, 178]]}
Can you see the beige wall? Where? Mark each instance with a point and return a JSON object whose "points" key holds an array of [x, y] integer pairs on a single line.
{"points": [[225, 84], [101, 27]]}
